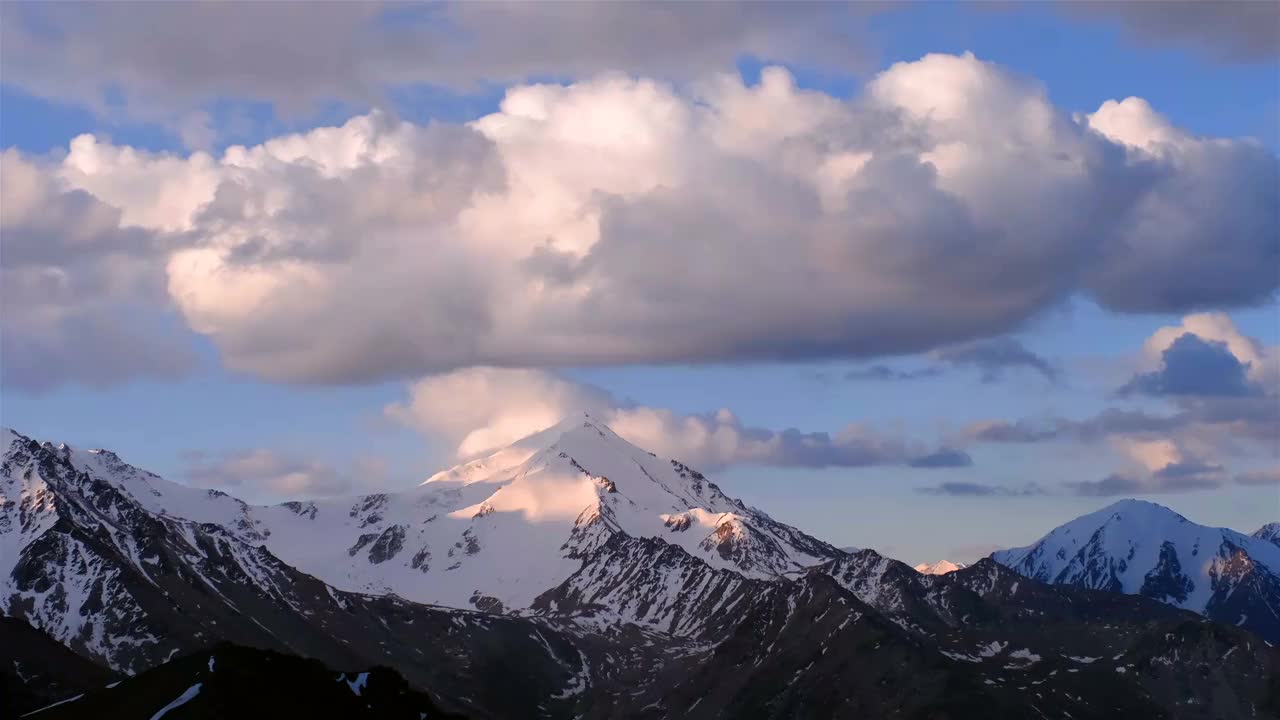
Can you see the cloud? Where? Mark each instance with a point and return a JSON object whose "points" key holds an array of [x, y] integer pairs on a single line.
{"points": [[482, 409], [1262, 363], [1192, 472], [1225, 408], [587, 224], [1123, 484], [1192, 366], [1239, 427], [1020, 431], [189, 55], [1266, 476], [1167, 261], [1214, 376], [1109, 422], [1156, 466], [719, 439], [1113, 484], [884, 372], [991, 357], [1238, 31], [82, 290], [943, 458], [263, 475], [969, 489]]}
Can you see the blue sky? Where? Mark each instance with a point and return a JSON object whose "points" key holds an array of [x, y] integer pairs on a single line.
{"points": [[220, 399]]}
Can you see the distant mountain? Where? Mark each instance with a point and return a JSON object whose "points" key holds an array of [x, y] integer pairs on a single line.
{"points": [[229, 681], [606, 583], [1269, 532], [1142, 548], [942, 567]]}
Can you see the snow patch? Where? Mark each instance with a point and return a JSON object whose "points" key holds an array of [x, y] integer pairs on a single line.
{"points": [[358, 684], [181, 700], [60, 702], [993, 648]]}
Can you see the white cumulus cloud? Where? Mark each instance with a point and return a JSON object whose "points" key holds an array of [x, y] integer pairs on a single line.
{"points": [[623, 220]]}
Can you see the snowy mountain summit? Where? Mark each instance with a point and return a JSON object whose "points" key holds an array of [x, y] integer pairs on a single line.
{"points": [[942, 567], [496, 532], [1269, 532], [1141, 548]]}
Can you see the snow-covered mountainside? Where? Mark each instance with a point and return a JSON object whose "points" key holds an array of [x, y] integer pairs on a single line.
{"points": [[1142, 548], [492, 534], [83, 560], [942, 567], [1269, 532], [497, 532]]}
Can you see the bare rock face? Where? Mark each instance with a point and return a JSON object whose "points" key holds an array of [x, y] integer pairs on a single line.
{"points": [[484, 603], [387, 545]]}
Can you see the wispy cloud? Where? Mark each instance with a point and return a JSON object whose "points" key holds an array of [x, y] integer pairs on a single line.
{"points": [[481, 409], [993, 359], [970, 489], [266, 475]]}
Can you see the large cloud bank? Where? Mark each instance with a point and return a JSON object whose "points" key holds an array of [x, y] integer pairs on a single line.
{"points": [[620, 220], [187, 57]]}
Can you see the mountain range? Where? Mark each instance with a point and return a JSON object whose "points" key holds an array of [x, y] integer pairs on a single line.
{"points": [[575, 575]]}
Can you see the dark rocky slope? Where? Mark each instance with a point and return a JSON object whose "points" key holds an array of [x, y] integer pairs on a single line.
{"points": [[231, 681]]}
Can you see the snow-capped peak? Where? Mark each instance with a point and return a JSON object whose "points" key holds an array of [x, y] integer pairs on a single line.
{"points": [[1269, 532], [1143, 548], [499, 530], [942, 567], [490, 465]]}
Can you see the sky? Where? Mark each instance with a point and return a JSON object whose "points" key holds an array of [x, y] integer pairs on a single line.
{"points": [[930, 278]]}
